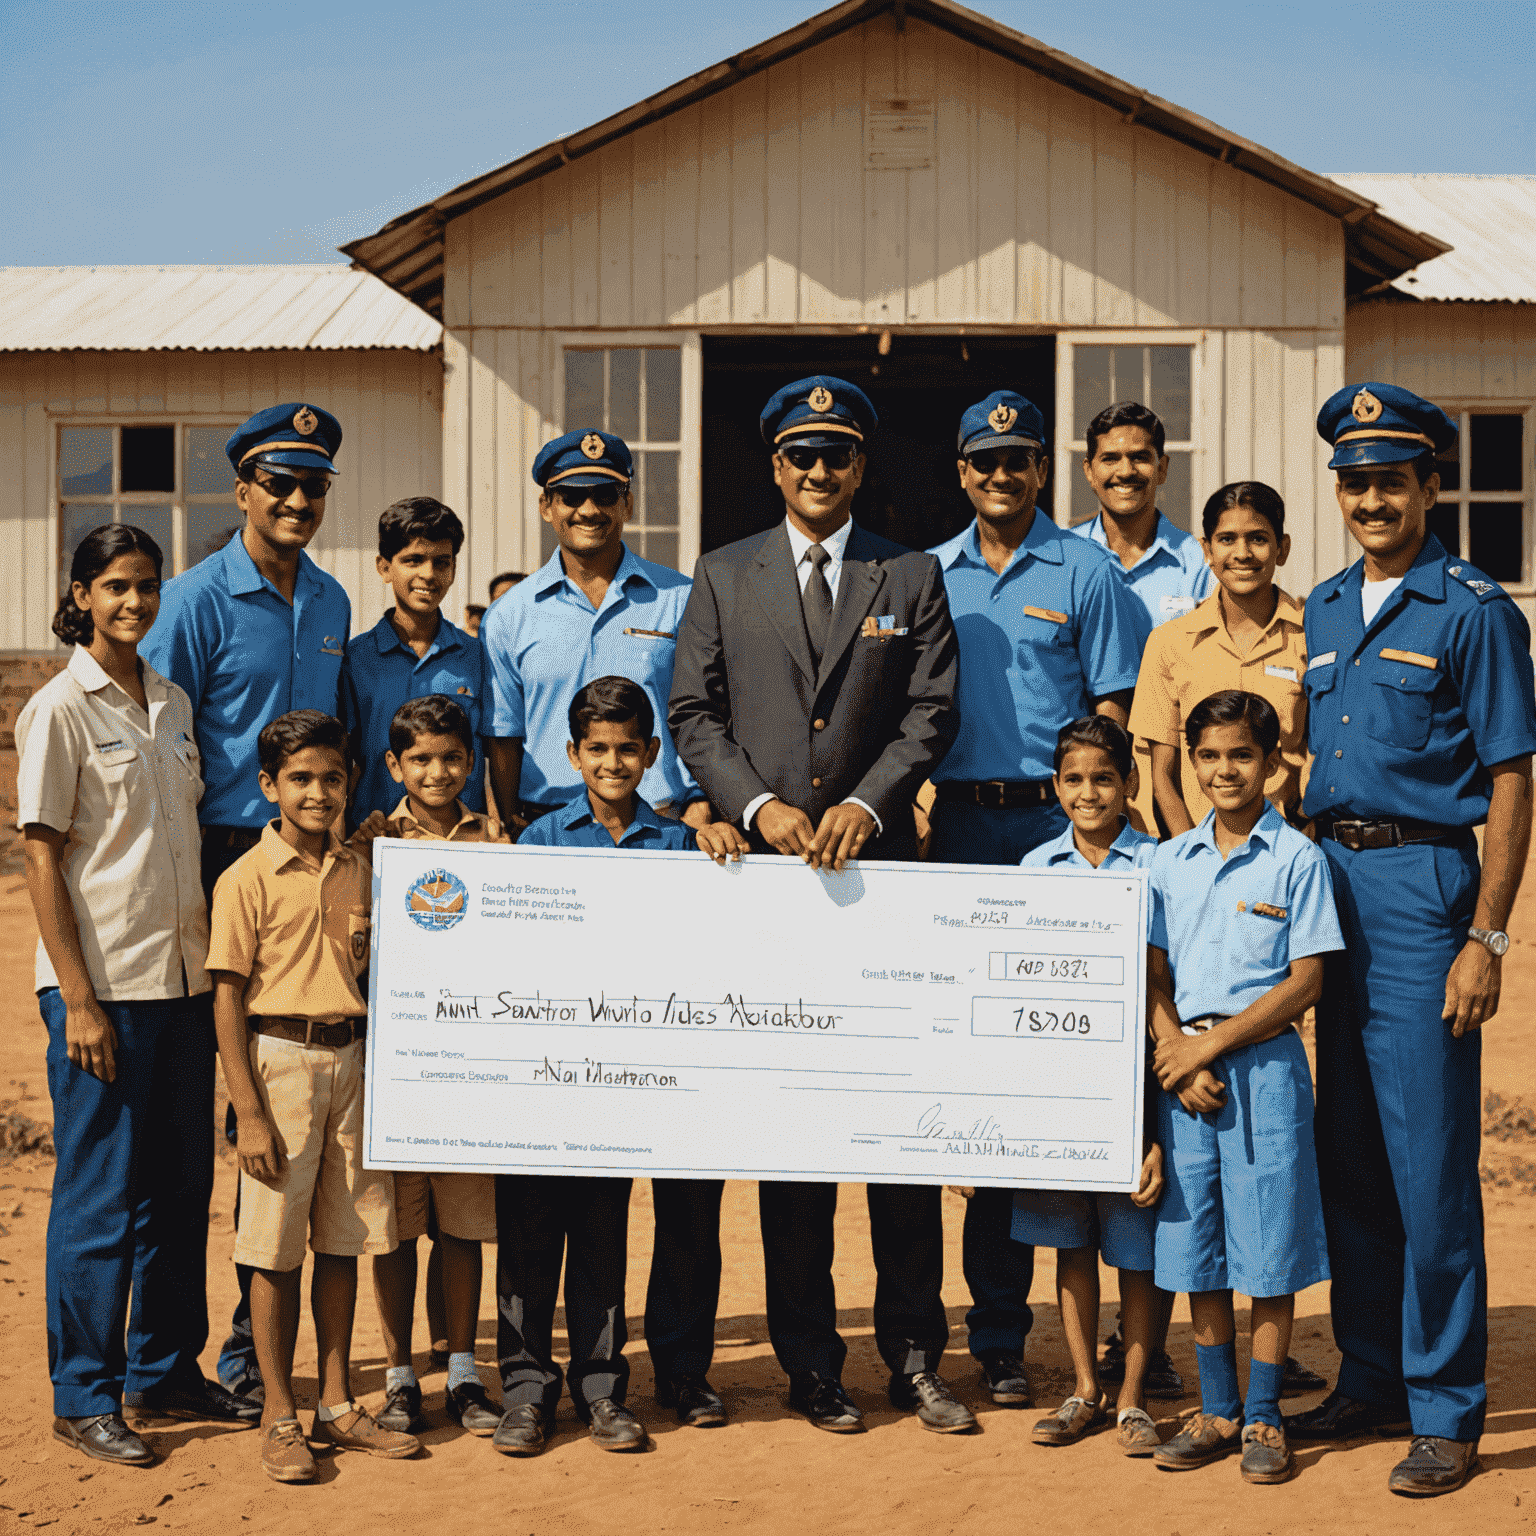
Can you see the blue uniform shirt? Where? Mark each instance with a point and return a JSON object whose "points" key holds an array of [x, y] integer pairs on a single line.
{"points": [[245, 655], [574, 826], [544, 642], [1171, 578], [1232, 927], [1038, 644], [1405, 718], [382, 673], [1130, 850]]}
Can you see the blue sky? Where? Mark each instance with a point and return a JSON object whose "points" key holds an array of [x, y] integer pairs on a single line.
{"points": [[137, 131]]}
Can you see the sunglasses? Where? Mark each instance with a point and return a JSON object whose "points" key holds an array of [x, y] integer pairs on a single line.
{"points": [[604, 496], [837, 457], [1016, 460], [281, 487]]}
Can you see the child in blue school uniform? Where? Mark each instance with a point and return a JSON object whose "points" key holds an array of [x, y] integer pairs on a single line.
{"points": [[1095, 777], [1242, 915]]}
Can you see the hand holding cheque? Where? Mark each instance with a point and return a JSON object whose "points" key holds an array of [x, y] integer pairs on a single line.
{"points": [[532, 1011]]}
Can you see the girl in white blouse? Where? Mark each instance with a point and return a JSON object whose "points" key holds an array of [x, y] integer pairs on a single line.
{"points": [[107, 789]]}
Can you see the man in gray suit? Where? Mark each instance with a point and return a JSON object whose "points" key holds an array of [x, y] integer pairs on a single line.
{"points": [[813, 692]]}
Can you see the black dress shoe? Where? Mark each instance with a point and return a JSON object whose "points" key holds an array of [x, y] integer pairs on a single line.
{"points": [[523, 1430], [104, 1437], [469, 1405], [209, 1400], [936, 1407], [613, 1427], [1433, 1466], [697, 1403], [1006, 1379], [824, 1402], [1342, 1418], [402, 1410], [1298, 1380]]}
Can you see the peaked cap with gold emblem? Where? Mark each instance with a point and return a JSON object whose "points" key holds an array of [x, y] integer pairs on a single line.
{"points": [[1005, 419], [292, 436], [1381, 424], [818, 412], [584, 457]]}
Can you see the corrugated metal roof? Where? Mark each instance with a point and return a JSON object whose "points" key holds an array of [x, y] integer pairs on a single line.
{"points": [[1489, 220], [408, 251], [205, 309]]}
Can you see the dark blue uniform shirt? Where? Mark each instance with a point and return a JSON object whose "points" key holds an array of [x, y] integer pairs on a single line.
{"points": [[574, 826], [1404, 719]]}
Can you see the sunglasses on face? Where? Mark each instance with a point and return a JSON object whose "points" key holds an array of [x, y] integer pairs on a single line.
{"points": [[838, 457], [604, 496], [1015, 460], [281, 487]]}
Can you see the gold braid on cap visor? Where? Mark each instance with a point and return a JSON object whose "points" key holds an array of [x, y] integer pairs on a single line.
{"points": [[587, 469], [261, 448], [1371, 435], [801, 427]]}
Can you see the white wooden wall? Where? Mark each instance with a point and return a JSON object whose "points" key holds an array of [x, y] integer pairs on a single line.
{"points": [[753, 208], [1461, 353], [388, 402]]}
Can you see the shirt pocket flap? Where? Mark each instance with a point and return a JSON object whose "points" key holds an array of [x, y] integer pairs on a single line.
{"points": [[117, 756], [1406, 677], [1320, 677]]}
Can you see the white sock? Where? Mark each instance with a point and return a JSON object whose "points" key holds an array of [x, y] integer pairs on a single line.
{"points": [[325, 1414], [398, 1376], [461, 1368]]}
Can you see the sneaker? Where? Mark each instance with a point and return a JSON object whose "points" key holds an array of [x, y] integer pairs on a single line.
{"points": [[1135, 1433], [358, 1430], [1004, 1376], [1266, 1456], [1204, 1439], [402, 1410], [1071, 1421], [936, 1406], [285, 1456]]}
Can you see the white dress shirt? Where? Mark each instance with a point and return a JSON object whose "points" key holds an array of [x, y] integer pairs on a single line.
{"points": [[123, 787], [836, 545]]}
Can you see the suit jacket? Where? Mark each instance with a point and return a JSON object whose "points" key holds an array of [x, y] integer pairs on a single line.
{"points": [[751, 715]]}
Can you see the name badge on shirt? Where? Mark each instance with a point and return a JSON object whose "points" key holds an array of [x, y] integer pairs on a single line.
{"points": [[1413, 658], [331, 646], [1172, 606], [1263, 909], [1048, 614], [1323, 660], [1288, 673], [653, 634]]}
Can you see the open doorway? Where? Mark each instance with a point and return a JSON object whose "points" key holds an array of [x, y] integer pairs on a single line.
{"points": [[920, 387]]}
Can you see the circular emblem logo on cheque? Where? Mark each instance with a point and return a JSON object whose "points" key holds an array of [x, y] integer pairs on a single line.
{"points": [[437, 900]]}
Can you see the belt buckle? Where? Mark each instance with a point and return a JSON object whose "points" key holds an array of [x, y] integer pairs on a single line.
{"points": [[1350, 833], [996, 797]]}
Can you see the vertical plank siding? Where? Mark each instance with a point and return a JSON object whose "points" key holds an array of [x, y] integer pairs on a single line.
{"points": [[390, 405]]}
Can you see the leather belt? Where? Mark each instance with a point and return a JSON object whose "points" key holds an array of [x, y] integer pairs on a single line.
{"points": [[1385, 832], [998, 794], [286, 1026]]}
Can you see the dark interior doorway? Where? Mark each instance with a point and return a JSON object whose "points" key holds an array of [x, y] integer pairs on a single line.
{"points": [[910, 491]]}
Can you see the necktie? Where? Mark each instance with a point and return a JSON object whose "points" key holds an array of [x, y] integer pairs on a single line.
{"points": [[816, 600]]}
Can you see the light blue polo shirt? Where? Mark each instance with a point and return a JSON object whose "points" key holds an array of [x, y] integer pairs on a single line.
{"points": [[574, 826], [1038, 644], [544, 642], [1232, 927], [245, 655], [1130, 850], [1171, 578], [382, 673]]}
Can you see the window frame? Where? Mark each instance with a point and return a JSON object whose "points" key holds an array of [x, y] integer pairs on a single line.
{"points": [[690, 441], [1461, 410], [116, 500], [1070, 449]]}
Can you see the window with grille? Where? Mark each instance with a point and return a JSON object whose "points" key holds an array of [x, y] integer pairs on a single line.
{"points": [[1159, 377], [1484, 510], [171, 479], [635, 393]]}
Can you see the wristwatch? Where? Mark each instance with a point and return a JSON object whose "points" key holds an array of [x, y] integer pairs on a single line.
{"points": [[1490, 938]]}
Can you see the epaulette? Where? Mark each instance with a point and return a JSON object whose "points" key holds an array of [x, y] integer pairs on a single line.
{"points": [[1473, 579]]}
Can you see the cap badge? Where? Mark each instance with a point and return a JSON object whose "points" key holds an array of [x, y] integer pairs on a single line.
{"points": [[820, 399], [305, 421], [1366, 408], [592, 445], [1002, 418]]}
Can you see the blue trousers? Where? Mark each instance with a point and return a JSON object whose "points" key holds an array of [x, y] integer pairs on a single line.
{"points": [[998, 1270], [127, 1297], [1398, 1133]]}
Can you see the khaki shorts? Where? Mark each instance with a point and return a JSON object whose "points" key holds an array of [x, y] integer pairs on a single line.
{"points": [[313, 1094], [466, 1205]]}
